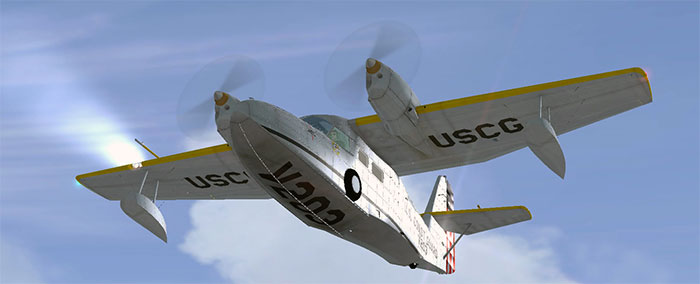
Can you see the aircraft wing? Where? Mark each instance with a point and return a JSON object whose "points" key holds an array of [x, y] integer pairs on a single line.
{"points": [[472, 221], [479, 128], [208, 173]]}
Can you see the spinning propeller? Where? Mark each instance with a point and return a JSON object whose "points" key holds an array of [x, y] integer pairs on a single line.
{"points": [[242, 77], [390, 42], [238, 76]]}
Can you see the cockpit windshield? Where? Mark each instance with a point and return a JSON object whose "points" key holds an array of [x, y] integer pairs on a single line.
{"points": [[337, 136], [319, 123]]}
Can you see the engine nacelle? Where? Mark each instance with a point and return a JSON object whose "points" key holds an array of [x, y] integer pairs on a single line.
{"points": [[391, 98], [394, 102]]}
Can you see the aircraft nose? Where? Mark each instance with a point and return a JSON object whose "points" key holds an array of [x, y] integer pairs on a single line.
{"points": [[372, 65], [220, 98]]}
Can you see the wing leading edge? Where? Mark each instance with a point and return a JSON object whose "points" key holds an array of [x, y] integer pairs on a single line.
{"points": [[479, 128]]}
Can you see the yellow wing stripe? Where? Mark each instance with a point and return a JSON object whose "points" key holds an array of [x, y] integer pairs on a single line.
{"points": [[166, 159], [479, 210], [510, 93]]}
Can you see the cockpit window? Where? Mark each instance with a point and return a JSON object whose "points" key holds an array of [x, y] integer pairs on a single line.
{"points": [[337, 136], [319, 123]]}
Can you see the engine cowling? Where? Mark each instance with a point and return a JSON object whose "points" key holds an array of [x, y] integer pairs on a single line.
{"points": [[395, 103]]}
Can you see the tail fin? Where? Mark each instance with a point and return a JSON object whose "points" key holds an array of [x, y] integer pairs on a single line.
{"points": [[442, 199], [443, 221]]}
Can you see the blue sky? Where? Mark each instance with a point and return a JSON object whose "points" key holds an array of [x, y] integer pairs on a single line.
{"points": [[80, 79]]}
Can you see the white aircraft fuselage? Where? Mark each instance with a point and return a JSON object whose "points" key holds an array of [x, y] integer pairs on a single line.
{"points": [[320, 163]]}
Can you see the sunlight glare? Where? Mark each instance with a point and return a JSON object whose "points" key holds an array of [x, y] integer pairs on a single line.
{"points": [[122, 152]]}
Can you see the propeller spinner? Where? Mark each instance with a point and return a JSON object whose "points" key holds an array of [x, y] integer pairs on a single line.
{"points": [[387, 41], [237, 75]]}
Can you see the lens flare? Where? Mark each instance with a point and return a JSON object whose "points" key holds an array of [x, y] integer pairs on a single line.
{"points": [[122, 152], [77, 115]]}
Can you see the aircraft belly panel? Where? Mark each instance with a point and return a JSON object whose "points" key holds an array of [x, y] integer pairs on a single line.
{"points": [[301, 188], [376, 236]]}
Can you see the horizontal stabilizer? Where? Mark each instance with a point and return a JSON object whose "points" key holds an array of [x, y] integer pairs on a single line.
{"points": [[472, 221]]}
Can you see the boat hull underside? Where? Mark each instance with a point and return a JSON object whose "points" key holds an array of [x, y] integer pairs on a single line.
{"points": [[294, 178]]}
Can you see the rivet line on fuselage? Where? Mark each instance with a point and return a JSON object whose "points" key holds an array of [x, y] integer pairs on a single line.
{"points": [[295, 143], [284, 187]]}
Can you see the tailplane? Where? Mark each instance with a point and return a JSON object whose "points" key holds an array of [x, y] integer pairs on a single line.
{"points": [[443, 221]]}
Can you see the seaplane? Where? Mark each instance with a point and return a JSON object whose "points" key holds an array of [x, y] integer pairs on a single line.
{"points": [[342, 176]]}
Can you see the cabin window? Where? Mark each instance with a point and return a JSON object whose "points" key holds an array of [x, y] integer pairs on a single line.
{"points": [[363, 158], [378, 172]]}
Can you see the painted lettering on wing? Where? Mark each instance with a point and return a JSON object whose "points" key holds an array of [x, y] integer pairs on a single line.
{"points": [[482, 131], [221, 180]]}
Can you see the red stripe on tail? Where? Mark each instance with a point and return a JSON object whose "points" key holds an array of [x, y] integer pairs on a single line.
{"points": [[450, 259]]}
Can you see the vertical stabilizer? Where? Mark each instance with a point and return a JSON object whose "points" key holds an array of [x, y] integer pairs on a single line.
{"points": [[442, 199]]}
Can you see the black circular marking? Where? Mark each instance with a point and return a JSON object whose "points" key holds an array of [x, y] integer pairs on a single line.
{"points": [[352, 193]]}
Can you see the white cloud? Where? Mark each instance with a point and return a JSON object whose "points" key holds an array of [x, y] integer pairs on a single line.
{"points": [[259, 241]]}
